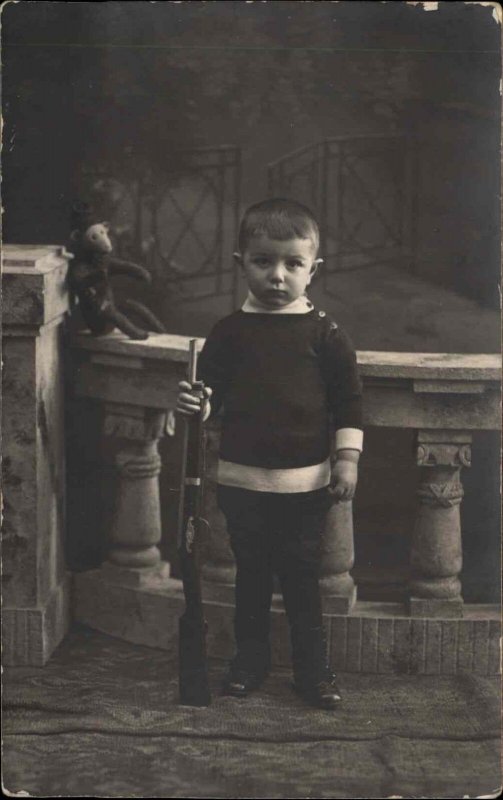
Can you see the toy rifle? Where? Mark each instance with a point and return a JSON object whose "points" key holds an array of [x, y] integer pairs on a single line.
{"points": [[193, 666]]}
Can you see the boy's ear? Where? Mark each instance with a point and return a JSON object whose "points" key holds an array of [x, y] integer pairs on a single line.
{"points": [[238, 259], [315, 265]]}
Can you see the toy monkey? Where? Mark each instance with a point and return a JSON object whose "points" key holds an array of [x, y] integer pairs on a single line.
{"points": [[89, 279]]}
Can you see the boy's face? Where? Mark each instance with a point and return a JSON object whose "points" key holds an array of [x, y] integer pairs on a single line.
{"points": [[278, 272]]}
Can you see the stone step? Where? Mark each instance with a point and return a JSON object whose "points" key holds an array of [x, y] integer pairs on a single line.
{"points": [[373, 638]]}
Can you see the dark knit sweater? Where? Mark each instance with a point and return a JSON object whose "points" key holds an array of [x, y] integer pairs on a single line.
{"points": [[282, 381]]}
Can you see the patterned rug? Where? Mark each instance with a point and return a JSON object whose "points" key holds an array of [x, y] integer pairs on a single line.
{"points": [[102, 719]]}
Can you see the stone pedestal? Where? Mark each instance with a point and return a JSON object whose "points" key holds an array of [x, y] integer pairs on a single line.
{"points": [[35, 591], [337, 586], [436, 553]]}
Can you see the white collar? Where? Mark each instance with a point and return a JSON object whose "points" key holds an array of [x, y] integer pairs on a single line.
{"points": [[302, 305]]}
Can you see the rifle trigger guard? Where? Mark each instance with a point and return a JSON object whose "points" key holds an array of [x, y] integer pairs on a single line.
{"points": [[190, 532]]}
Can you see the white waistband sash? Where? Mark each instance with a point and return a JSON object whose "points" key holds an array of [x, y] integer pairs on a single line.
{"points": [[280, 481]]}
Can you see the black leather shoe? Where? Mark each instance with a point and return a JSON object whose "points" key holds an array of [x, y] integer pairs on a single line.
{"points": [[240, 682], [321, 694], [248, 669]]}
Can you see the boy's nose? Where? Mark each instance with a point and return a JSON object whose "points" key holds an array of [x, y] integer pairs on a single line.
{"points": [[277, 274]]}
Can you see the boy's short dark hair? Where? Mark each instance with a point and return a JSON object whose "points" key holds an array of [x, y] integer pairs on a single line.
{"points": [[278, 218]]}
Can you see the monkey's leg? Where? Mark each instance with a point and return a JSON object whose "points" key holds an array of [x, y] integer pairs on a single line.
{"points": [[145, 314], [125, 325]]}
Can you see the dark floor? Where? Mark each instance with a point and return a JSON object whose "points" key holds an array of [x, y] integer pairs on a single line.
{"points": [[101, 719]]}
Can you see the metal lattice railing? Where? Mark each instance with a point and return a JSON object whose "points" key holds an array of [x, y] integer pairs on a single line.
{"points": [[184, 231], [362, 189]]}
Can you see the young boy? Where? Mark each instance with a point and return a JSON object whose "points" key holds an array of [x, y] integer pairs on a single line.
{"points": [[286, 377]]}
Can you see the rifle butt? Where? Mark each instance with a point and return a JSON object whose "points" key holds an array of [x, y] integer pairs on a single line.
{"points": [[194, 685]]}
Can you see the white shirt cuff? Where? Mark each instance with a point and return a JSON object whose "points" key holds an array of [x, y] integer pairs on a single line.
{"points": [[349, 439]]}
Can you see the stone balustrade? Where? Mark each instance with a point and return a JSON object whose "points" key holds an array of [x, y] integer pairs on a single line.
{"points": [[442, 397]]}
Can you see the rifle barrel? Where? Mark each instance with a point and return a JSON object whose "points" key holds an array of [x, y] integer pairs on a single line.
{"points": [[194, 685], [192, 360]]}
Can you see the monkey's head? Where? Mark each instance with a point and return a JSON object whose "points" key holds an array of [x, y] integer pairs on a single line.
{"points": [[95, 238], [89, 233]]}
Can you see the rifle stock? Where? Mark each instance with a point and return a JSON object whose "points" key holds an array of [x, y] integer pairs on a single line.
{"points": [[194, 686]]}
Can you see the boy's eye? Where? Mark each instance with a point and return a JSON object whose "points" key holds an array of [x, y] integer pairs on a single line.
{"points": [[293, 264], [261, 261]]}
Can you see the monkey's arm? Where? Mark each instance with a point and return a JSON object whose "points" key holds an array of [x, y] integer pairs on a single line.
{"points": [[119, 267]]}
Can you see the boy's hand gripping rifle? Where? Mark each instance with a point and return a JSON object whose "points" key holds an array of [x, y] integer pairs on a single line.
{"points": [[193, 667]]}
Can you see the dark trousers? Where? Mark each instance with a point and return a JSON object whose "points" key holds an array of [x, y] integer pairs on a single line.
{"points": [[276, 534]]}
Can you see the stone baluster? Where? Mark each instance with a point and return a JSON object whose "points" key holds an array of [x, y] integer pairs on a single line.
{"points": [[436, 553], [219, 569], [337, 585], [136, 524]]}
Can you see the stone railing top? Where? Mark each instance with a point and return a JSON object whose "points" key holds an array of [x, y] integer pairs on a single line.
{"points": [[35, 291], [372, 363], [32, 259], [159, 346], [402, 390], [447, 366]]}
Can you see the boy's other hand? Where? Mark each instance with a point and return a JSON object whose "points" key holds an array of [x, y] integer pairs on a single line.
{"points": [[344, 480], [187, 403]]}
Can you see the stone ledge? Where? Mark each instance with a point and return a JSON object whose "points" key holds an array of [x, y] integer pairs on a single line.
{"points": [[372, 363], [375, 638], [430, 366], [113, 366], [415, 646], [30, 635], [158, 346]]}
